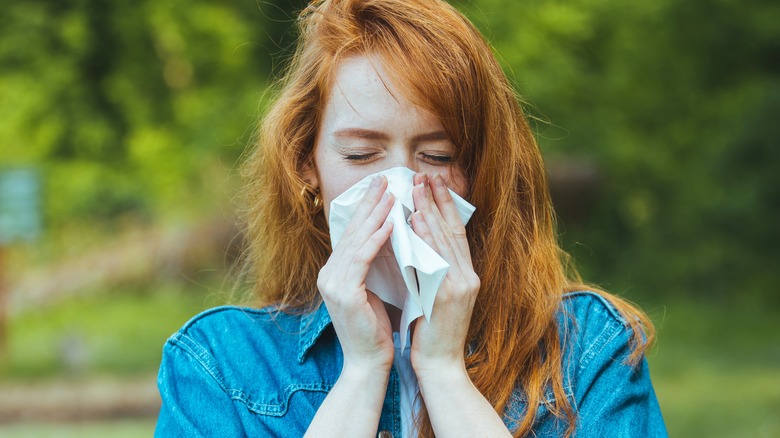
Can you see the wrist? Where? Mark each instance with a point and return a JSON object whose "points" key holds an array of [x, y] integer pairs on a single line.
{"points": [[365, 373], [441, 372], [373, 362]]}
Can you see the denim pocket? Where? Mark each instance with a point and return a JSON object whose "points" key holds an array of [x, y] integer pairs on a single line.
{"points": [[277, 403]]}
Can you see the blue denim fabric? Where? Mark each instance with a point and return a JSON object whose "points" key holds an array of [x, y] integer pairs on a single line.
{"points": [[255, 372]]}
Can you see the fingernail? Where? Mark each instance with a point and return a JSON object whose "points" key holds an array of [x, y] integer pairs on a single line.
{"points": [[376, 182]]}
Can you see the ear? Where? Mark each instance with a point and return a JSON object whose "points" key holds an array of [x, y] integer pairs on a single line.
{"points": [[309, 173]]}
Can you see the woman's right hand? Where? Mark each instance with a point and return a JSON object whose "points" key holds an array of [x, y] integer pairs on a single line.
{"points": [[359, 317], [361, 322]]}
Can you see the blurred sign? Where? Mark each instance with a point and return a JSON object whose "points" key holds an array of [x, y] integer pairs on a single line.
{"points": [[20, 205]]}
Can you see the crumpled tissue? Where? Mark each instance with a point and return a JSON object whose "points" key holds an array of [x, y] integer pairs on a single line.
{"points": [[406, 272]]}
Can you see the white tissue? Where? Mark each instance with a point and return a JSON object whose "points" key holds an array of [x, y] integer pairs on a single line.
{"points": [[406, 272]]}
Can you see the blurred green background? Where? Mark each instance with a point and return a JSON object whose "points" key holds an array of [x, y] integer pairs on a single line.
{"points": [[658, 121]]}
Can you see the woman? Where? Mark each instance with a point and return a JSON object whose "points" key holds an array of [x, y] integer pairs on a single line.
{"points": [[510, 349]]}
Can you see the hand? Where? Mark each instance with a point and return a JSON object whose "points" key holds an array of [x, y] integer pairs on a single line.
{"points": [[359, 317], [438, 345], [455, 406]]}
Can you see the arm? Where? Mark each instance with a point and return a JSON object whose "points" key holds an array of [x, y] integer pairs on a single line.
{"points": [[455, 406], [354, 405]]}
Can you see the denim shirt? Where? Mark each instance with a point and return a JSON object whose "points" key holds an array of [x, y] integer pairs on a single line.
{"points": [[257, 372]]}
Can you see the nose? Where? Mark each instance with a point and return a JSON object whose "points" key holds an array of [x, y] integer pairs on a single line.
{"points": [[401, 157]]}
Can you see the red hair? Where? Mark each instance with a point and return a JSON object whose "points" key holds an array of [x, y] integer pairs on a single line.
{"points": [[442, 63]]}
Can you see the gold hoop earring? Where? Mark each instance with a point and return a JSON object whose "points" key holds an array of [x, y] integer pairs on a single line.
{"points": [[310, 194]]}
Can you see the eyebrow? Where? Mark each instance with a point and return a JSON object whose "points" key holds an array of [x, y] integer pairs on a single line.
{"points": [[369, 134], [366, 134]]}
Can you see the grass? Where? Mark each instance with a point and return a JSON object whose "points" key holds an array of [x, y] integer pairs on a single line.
{"points": [[716, 369], [712, 402], [118, 331], [716, 366], [114, 429]]}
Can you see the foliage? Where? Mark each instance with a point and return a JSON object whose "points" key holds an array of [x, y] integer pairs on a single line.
{"points": [[131, 107], [144, 108], [676, 104]]}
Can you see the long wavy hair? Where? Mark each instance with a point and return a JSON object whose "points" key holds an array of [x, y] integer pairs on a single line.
{"points": [[442, 63]]}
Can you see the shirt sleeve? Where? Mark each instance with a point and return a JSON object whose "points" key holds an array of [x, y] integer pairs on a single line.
{"points": [[195, 402], [615, 398]]}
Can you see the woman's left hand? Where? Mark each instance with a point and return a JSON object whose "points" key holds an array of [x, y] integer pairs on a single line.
{"points": [[455, 406], [438, 345]]}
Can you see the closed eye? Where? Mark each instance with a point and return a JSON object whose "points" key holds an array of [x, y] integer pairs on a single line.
{"points": [[359, 157], [438, 158]]}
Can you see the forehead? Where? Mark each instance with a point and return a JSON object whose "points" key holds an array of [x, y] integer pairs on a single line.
{"points": [[363, 91], [363, 81], [362, 72]]}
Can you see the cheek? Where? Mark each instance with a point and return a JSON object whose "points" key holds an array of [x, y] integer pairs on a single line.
{"points": [[334, 183], [338, 184], [457, 182]]}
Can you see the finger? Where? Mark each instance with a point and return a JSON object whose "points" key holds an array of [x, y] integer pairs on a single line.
{"points": [[443, 199], [370, 199], [361, 227], [452, 248], [421, 229], [418, 178], [361, 232], [435, 226], [375, 219], [423, 200], [449, 212], [361, 247], [347, 271], [361, 261]]}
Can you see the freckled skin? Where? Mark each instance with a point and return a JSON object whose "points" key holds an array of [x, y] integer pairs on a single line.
{"points": [[368, 126]]}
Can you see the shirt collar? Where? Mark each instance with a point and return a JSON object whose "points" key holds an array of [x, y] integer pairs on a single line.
{"points": [[312, 326]]}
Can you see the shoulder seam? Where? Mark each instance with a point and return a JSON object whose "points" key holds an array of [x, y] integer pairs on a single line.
{"points": [[603, 301], [220, 309], [192, 348], [607, 335], [614, 325]]}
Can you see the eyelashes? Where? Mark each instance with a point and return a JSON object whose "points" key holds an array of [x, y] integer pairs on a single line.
{"points": [[359, 157], [435, 158], [438, 158]]}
